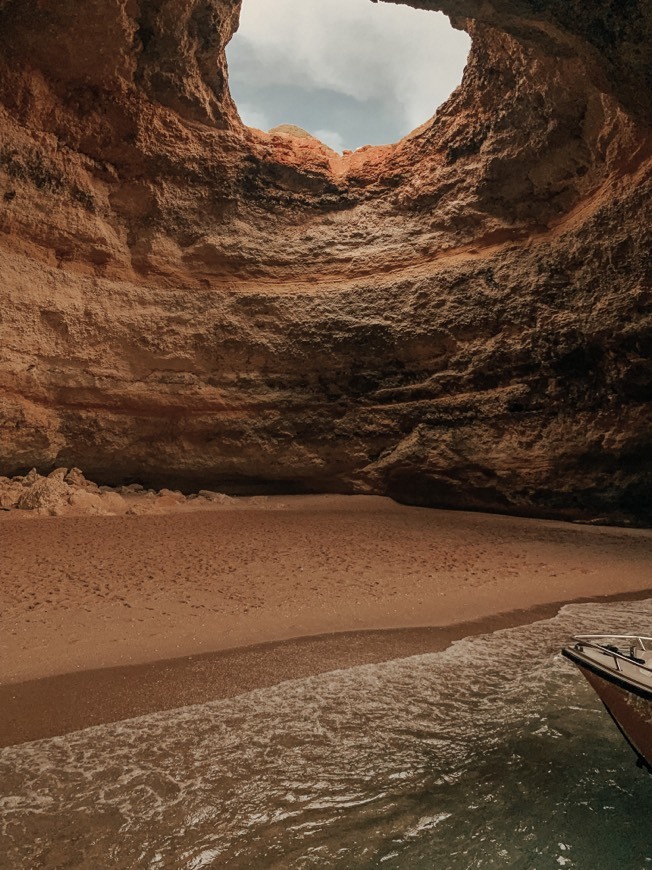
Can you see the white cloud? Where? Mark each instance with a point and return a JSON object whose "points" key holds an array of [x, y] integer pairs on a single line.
{"points": [[381, 52], [331, 138], [252, 116]]}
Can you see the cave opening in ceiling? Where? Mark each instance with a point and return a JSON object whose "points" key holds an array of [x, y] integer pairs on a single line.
{"points": [[349, 72]]}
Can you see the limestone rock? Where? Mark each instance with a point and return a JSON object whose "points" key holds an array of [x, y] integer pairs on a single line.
{"points": [[291, 130], [83, 502], [47, 495], [75, 477], [30, 478], [113, 503], [10, 493], [58, 474], [215, 497], [172, 496], [460, 319]]}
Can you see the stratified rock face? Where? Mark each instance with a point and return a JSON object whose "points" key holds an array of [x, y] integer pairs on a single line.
{"points": [[461, 319]]}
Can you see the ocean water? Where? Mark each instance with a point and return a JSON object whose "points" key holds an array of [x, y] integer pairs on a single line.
{"points": [[494, 753]]}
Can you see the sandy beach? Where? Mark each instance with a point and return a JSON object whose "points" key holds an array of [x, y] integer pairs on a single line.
{"points": [[107, 595]]}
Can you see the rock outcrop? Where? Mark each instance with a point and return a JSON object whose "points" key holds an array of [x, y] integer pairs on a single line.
{"points": [[67, 493], [62, 493], [461, 319]]}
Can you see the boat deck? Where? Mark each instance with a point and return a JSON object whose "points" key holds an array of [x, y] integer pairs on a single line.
{"points": [[624, 659]]}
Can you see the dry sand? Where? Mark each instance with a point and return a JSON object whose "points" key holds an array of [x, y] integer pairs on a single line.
{"points": [[84, 593]]}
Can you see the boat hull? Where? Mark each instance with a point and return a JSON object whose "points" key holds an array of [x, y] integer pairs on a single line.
{"points": [[628, 704]]}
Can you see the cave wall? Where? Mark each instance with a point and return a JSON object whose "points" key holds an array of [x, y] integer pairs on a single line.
{"points": [[461, 319]]}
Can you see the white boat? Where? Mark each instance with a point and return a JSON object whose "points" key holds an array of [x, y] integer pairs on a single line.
{"points": [[619, 668]]}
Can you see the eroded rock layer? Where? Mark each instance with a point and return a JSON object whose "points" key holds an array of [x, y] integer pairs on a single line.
{"points": [[461, 319]]}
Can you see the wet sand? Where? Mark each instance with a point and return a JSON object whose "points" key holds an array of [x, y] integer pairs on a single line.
{"points": [[95, 609], [51, 706]]}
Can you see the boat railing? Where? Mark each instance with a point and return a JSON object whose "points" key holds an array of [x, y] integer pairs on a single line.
{"points": [[604, 644]]}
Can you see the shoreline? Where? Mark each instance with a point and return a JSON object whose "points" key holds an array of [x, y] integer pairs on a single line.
{"points": [[331, 581], [54, 706]]}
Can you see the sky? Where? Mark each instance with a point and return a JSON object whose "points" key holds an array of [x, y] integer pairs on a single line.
{"points": [[351, 72]]}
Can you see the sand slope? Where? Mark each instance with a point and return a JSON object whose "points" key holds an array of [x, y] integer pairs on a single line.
{"points": [[78, 593]]}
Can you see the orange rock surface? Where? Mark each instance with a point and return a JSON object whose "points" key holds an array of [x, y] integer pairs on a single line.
{"points": [[461, 319]]}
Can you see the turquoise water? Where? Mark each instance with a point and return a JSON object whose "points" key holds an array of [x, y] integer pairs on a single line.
{"points": [[491, 754]]}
